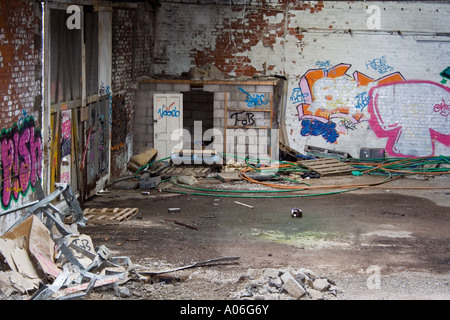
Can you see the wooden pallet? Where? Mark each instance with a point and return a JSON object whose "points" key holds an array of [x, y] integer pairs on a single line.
{"points": [[108, 215], [326, 166]]}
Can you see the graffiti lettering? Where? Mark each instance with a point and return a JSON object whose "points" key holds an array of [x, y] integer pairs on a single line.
{"points": [[298, 96], [247, 120], [318, 128], [166, 112], [362, 100], [325, 66], [337, 97], [379, 64], [256, 100], [21, 160], [442, 108]]}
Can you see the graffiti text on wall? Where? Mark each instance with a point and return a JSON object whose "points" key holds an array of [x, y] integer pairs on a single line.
{"points": [[330, 96], [21, 160], [379, 64], [243, 119], [256, 100], [167, 112]]}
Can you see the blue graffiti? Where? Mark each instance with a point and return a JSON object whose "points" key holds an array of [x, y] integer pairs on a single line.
{"points": [[325, 66], [317, 128], [166, 112], [298, 96], [363, 100], [379, 64], [256, 100]]}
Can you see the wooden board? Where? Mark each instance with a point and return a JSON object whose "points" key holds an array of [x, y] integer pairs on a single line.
{"points": [[108, 215], [326, 166]]}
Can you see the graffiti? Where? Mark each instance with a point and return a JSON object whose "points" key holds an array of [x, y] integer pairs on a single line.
{"points": [[445, 74], [317, 128], [347, 124], [247, 120], [21, 160], [336, 97], [298, 96], [325, 66], [362, 100], [442, 108], [379, 64], [166, 112], [406, 114], [255, 101], [66, 145]]}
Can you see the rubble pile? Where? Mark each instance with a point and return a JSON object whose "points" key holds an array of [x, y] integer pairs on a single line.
{"points": [[44, 258], [287, 284]]}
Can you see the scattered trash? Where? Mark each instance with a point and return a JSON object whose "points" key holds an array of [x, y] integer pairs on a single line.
{"points": [[44, 258], [174, 210], [139, 160], [194, 265], [181, 224], [148, 182], [296, 213], [243, 204]]}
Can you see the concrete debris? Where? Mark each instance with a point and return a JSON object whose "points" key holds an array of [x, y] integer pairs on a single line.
{"points": [[286, 284], [42, 258], [205, 72], [189, 180]]}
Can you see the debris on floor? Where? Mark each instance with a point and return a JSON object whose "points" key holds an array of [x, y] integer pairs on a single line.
{"points": [[42, 258], [286, 284]]}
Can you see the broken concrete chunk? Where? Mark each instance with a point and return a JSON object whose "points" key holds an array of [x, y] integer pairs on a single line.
{"points": [[189, 180], [271, 273], [291, 286], [321, 284]]}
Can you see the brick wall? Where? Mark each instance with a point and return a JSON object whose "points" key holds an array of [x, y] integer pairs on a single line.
{"points": [[20, 105], [335, 45], [20, 61], [131, 58]]}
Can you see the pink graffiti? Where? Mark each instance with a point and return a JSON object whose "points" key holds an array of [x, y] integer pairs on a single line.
{"points": [[442, 108], [21, 156], [405, 113]]}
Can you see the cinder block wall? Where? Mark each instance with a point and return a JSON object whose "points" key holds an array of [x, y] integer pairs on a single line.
{"points": [[225, 95], [332, 53]]}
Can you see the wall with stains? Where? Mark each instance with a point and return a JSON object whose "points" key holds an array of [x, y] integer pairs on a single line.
{"points": [[20, 104], [343, 60]]}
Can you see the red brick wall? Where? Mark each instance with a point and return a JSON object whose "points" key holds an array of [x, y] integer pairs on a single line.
{"points": [[132, 48], [20, 61]]}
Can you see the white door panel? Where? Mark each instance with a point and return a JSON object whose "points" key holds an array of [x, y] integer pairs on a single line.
{"points": [[168, 123]]}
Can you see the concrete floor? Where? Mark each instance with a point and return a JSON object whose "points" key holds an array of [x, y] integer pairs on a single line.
{"points": [[400, 228]]}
